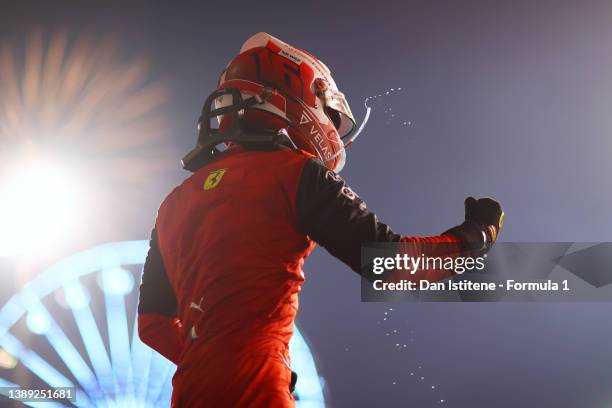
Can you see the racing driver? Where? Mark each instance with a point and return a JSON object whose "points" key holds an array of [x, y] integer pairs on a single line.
{"points": [[220, 285]]}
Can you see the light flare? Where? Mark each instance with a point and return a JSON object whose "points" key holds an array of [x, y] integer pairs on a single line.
{"points": [[40, 205], [87, 103]]}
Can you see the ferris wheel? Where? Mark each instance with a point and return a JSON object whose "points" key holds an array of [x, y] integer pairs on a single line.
{"points": [[74, 325]]}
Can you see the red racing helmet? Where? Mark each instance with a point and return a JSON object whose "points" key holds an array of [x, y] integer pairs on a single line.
{"points": [[286, 87]]}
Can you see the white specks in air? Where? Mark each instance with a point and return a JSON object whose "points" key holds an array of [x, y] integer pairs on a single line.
{"points": [[380, 95], [409, 366], [366, 118], [390, 117]]}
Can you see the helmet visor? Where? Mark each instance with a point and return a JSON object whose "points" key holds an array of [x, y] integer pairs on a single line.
{"points": [[338, 110]]}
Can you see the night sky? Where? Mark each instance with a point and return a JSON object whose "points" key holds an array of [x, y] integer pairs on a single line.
{"points": [[506, 99]]}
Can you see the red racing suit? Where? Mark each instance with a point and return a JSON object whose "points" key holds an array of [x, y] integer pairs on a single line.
{"points": [[220, 285]]}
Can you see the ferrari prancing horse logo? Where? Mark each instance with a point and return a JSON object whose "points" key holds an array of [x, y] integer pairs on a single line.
{"points": [[213, 179]]}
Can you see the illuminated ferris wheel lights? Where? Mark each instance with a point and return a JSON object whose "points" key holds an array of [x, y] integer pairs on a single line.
{"points": [[38, 322], [74, 296], [116, 281]]}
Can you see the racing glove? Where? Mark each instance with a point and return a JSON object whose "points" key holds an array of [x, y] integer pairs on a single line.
{"points": [[484, 219]]}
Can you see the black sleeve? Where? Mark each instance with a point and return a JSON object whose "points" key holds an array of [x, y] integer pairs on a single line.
{"points": [[335, 217], [156, 294]]}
